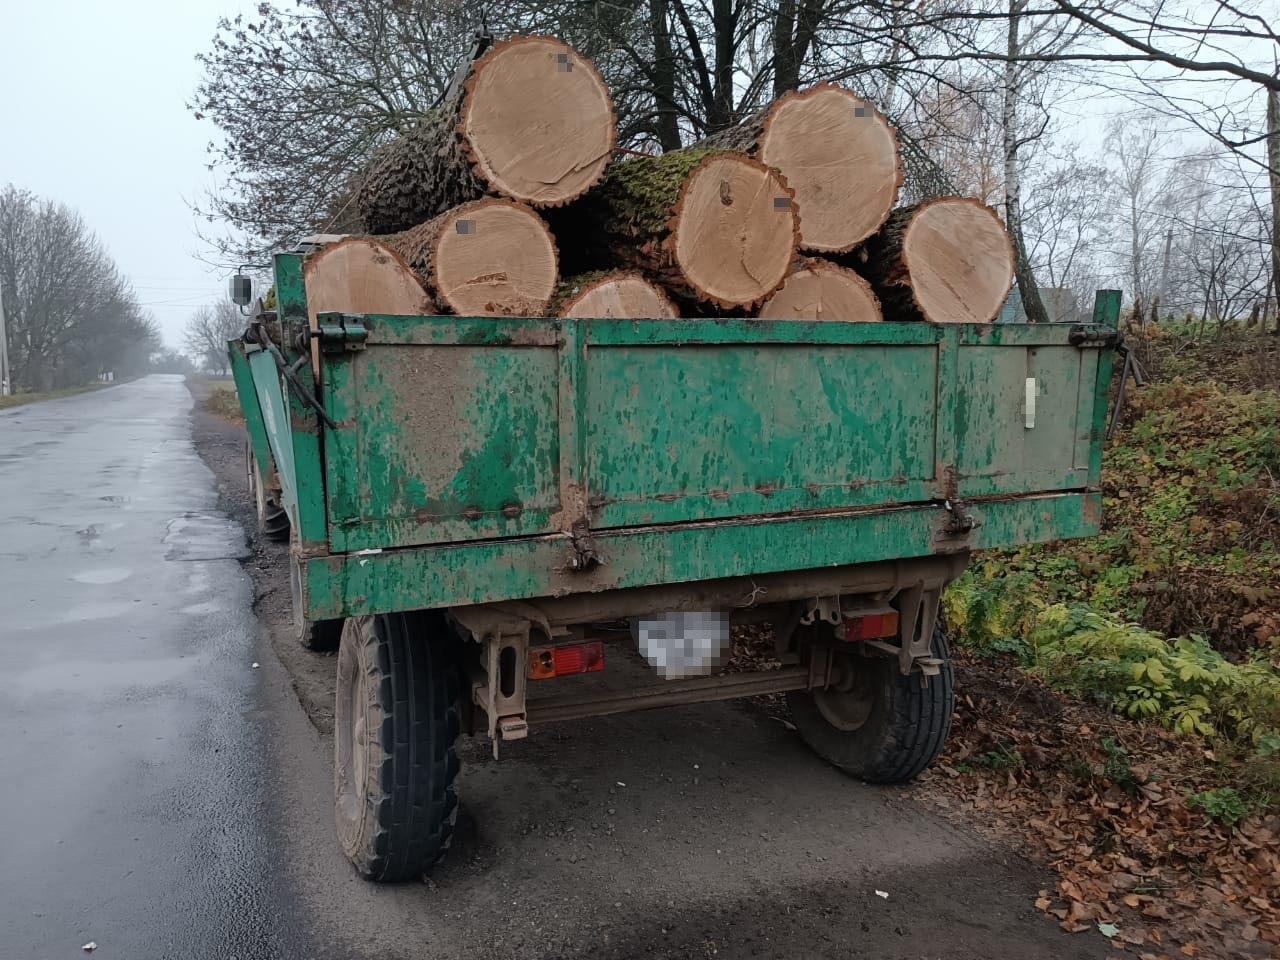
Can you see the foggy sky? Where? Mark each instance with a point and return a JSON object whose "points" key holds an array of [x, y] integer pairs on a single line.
{"points": [[92, 115]]}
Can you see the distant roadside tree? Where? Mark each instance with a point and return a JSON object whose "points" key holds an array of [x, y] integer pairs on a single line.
{"points": [[71, 317], [207, 332]]}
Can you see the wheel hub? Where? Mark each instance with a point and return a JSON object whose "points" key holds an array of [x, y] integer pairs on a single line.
{"points": [[846, 703], [352, 749]]}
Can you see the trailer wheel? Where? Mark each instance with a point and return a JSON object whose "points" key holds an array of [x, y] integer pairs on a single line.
{"points": [[877, 724], [395, 724], [322, 636], [273, 519]]}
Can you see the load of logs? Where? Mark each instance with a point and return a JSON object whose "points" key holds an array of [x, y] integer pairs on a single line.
{"points": [[511, 199]]}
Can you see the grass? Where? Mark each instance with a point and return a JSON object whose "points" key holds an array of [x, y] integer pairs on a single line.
{"points": [[21, 399], [217, 396]]}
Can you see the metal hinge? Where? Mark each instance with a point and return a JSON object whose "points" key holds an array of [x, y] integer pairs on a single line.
{"points": [[1093, 336], [960, 521], [340, 333], [584, 555]]}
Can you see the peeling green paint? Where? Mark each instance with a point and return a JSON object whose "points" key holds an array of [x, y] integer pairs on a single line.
{"points": [[467, 448]]}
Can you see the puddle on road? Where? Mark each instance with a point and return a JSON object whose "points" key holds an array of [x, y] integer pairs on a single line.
{"points": [[103, 575], [195, 536]]}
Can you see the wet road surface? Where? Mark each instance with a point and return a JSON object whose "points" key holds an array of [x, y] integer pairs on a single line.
{"points": [[163, 798], [132, 762]]}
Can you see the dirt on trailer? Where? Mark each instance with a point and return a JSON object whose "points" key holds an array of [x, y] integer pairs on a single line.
{"points": [[700, 831]]}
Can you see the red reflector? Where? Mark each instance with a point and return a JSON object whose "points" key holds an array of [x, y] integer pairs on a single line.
{"points": [[868, 627], [548, 662], [579, 658]]}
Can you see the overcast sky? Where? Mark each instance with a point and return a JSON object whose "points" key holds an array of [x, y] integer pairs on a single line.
{"points": [[91, 109]]}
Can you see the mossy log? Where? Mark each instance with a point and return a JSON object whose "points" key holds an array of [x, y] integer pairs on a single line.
{"points": [[839, 154], [534, 123], [948, 260], [709, 225]]}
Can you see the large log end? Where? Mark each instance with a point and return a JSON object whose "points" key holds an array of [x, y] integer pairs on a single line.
{"points": [[361, 275], [959, 260], [820, 290], [621, 294], [735, 230], [493, 257], [537, 121], [840, 155]]}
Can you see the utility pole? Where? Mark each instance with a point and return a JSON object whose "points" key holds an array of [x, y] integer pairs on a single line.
{"points": [[5, 386]]}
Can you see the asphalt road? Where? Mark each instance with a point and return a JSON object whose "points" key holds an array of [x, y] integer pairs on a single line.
{"points": [[162, 797]]}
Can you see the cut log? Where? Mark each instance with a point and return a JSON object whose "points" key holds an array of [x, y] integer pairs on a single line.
{"points": [[534, 123], [360, 275], [708, 225], [488, 258], [838, 153], [619, 294], [820, 290], [948, 260]]}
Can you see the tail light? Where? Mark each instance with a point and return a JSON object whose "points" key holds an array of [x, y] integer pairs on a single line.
{"points": [[868, 626], [548, 662]]}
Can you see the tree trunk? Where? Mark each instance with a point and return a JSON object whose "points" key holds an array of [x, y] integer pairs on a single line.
{"points": [[534, 123], [620, 294], [1027, 287], [838, 153], [488, 258], [948, 260], [709, 225], [1273, 163], [666, 114], [820, 290]]}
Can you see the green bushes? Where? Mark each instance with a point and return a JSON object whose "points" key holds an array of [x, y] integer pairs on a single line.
{"points": [[1183, 683]]}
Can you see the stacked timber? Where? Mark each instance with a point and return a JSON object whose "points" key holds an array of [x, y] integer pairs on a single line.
{"points": [[788, 214]]}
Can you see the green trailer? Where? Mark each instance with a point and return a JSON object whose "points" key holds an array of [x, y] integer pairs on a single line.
{"points": [[479, 506]]}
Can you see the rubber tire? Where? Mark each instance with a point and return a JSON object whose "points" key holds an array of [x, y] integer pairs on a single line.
{"points": [[273, 519], [322, 636], [396, 817], [905, 730], [275, 522]]}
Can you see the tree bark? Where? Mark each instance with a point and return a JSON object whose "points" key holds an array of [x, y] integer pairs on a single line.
{"points": [[709, 225], [948, 260], [534, 123], [838, 153]]}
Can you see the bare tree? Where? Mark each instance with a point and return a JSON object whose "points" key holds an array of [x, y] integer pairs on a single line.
{"points": [[207, 332], [70, 315], [1068, 220], [1136, 146], [1273, 184]]}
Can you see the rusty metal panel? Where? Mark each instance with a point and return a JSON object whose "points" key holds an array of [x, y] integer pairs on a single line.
{"points": [[532, 567], [439, 443], [1017, 417], [677, 433]]}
